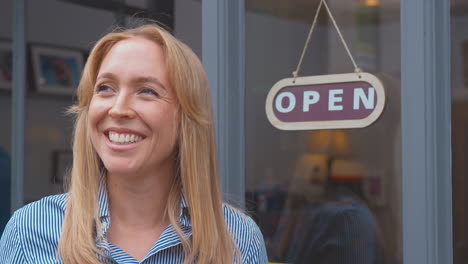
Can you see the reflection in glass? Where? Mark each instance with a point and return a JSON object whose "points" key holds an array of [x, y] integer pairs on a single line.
{"points": [[71, 25], [324, 218], [459, 60], [325, 196], [5, 174], [6, 76]]}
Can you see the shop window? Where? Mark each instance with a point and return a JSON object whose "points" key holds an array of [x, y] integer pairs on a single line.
{"points": [[324, 196]]}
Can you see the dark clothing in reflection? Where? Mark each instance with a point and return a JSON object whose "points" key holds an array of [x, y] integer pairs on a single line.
{"points": [[5, 192], [337, 230]]}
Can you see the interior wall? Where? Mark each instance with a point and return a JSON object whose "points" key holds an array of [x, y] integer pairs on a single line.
{"points": [[48, 129]]}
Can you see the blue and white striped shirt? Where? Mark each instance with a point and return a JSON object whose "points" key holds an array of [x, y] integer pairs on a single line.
{"points": [[33, 232]]}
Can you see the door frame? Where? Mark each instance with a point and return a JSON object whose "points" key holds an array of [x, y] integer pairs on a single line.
{"points": [[426, 131]]}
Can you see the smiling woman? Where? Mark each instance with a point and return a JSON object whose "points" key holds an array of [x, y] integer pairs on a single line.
{"points": [[135, 99], [144, 183]]}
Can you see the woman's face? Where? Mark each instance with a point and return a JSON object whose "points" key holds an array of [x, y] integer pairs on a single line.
{"points": [[133, 114]]}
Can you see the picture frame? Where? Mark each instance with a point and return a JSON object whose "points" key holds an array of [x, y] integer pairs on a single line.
{"points": [[6, 65], [56, 70], [62, 161]]}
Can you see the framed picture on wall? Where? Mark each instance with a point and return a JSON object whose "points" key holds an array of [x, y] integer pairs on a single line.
{"points": [[56, 70], [6, 65], [62, 161]]}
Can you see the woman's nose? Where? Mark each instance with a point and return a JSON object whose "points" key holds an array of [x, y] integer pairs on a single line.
{"points": [[122, 107]]}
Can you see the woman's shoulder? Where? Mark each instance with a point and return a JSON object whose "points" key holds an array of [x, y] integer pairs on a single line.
{"points": [[33, 231], [48, 207], [239, 221], [44, 215], [246, 234]]}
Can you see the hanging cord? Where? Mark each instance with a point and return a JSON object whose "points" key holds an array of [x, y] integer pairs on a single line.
{"points": [[356, 68], [296, 72]]}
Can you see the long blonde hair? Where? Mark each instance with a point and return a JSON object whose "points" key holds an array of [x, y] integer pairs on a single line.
{"points": [[211, 241]]}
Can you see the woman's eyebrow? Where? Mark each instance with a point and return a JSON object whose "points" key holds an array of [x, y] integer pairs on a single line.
{"points": [[149, 79], [106, 75]]}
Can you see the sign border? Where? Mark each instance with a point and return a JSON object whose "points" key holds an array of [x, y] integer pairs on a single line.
{"points": [[326, 79]]}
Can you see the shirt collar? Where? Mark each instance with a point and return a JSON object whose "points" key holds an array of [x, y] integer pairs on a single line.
{"points": [[103, 198], [184, 216]]}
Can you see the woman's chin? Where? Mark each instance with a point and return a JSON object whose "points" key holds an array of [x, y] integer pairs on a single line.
{"points": [[120, 169]]}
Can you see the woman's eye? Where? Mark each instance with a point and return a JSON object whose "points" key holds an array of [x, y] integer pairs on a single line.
{"points": [[149, 91], [103, 88]]}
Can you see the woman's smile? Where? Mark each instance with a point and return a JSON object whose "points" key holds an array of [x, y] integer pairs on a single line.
{"points": [[123, 135], [122, 139]]}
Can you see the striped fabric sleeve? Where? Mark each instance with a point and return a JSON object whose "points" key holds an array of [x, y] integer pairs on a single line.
{"points": [[11, 251], [257, 248]]}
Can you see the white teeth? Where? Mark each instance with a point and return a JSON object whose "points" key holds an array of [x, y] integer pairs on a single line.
{"points": [[123, 138]]}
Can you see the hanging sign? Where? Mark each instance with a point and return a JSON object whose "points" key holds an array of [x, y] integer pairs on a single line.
{"points": [[350, 100]]}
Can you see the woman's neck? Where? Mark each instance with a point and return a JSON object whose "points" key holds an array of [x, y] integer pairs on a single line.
{"points": [[137, 206], [139, 201]]}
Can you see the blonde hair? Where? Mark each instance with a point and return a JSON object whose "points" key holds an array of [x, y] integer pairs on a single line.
{"points": [[211, 241]]}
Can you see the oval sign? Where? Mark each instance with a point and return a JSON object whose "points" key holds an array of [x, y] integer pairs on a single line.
{"points": [[349, 100]]}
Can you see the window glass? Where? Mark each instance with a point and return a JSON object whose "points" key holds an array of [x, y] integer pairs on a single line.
{"points": [[324, 196], [60, 35], [459, 60], [57, 49], [6, 57]]}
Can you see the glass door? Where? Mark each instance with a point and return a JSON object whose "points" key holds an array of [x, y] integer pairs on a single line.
{"points": [[327, 196]]}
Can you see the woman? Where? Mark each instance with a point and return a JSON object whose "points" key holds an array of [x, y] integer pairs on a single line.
{"points": [[144, 183]]}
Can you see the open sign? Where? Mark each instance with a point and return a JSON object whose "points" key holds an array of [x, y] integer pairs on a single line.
{"points": [[348, 100]]}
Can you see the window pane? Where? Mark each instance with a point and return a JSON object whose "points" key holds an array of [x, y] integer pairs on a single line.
{"points": [[63, 31], [6, 75], [57, 47], [459, 60], [324, 196]]}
